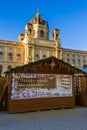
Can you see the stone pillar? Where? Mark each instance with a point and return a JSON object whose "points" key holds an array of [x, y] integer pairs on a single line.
{"points": [[41, 56], [33, 57], [6, 55], [15, 56], [26, 54]]}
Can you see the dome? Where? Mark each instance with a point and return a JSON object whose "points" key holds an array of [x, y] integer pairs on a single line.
{"points": [[37, 28], [39, 20], [56, 29]]}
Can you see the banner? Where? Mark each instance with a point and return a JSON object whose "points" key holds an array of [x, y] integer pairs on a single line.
{"points": [[25, 86]]}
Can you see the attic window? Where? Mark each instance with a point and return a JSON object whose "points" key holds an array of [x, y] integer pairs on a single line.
{"points": [[56, 36], [41, 33], [29, 30]]}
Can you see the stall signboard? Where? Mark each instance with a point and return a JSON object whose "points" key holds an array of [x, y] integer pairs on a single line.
{"points": [[30, 85]]}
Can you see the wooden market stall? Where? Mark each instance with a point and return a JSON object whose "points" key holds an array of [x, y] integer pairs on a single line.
{"points": [[41, 85], [81, 89]]}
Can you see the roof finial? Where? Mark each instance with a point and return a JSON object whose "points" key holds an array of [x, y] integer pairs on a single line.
{"points": [[38, 13], [38, 10]]}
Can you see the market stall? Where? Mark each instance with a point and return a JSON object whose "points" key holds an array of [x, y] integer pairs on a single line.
{"points": [[41, 85], [81, 89]]}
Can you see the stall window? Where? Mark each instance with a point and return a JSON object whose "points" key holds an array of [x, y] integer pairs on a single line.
{"points": [[10, 57], [1, 55]]}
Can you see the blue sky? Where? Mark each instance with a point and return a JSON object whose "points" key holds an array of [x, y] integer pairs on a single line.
{"points": [[69, 16]]}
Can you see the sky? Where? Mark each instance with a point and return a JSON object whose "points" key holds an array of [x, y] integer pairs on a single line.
{"points": [[69, 16]]}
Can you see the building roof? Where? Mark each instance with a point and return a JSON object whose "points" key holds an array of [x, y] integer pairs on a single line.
{"points": [[50, 65], [85, 69]]}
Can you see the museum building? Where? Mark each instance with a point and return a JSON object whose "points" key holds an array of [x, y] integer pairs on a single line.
{"points": [[35, 45]]}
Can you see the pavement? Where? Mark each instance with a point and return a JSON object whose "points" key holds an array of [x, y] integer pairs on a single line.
{"points": [[61, 119]]}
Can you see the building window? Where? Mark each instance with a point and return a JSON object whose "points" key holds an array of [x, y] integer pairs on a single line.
{"points": [[29, 30], [10, 57], [78, 62], [56, 36], [83, 62], [67, 60], [73, 62], [42, 33], [44, 56], [83, 58], [1, 55], [78, 56], [67, 55], [18, 57], [9, 67], [73, 55], [36, 57]]}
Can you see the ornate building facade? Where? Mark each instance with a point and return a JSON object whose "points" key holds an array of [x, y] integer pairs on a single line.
{"points": [[35, 45]]}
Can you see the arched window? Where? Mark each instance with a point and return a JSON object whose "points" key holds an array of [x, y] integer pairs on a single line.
{"points": [[9, 67], [44, 56], [41, 33], [56, 36], [83, 62], [1, 55], [29, 30], [67, 60], [36, 57], [78, 62], [73, 62], [10, 57], [73, 55], [18, 57], [67, 55]]}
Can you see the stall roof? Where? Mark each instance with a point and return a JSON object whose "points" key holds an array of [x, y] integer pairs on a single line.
{"points": [[50, 65]]}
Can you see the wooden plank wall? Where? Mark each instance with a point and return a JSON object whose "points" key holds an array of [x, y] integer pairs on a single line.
{"points": [[82, 98], [26, 105]]}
